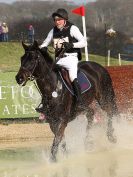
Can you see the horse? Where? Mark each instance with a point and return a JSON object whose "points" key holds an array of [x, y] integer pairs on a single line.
{"points": [[62, 109]]}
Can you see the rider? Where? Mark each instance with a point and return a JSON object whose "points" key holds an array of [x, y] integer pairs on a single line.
{"points": [[67, 35]]}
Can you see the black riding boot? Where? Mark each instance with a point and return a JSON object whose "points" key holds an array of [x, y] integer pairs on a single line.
{"points": [[77, 90]]}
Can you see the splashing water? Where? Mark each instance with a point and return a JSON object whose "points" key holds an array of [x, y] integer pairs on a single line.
{"points": [[103, 159]]}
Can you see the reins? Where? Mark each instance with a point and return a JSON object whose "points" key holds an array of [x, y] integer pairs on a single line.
{"points": [[60, 55], [34, 81], [40, 60], [57, 59]]}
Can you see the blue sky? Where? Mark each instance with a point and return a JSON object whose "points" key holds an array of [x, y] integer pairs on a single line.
{"points": [[76, 1]]}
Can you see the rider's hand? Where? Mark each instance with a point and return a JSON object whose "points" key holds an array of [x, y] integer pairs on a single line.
{"points": [[43, 50], [67, 45]]}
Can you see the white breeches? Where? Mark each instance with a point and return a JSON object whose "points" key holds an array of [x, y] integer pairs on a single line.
{"points": [[70, 62]]}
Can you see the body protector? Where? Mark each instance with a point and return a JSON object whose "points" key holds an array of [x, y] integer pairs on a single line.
{"points": [[60, 36]]}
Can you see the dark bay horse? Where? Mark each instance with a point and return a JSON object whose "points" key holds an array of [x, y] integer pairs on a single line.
{"points": [[62, 109]]}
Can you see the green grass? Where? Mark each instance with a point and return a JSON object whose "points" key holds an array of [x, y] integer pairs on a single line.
{"points": [[10, 53], [103, 60]]}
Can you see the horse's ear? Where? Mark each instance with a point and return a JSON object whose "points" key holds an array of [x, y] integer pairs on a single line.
{"points": [[24, 46]]}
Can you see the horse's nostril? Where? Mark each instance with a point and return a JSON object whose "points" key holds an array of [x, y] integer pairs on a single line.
{"points": [[19, 79]]}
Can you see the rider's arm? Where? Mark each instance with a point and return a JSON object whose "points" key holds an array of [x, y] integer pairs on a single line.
{"points": [[48, 40], [75, 32]]}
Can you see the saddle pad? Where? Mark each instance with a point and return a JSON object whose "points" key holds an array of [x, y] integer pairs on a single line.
{"points": [[84, 83]]}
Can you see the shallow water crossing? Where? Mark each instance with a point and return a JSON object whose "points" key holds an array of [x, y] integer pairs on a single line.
{"points": [[100, 159]]}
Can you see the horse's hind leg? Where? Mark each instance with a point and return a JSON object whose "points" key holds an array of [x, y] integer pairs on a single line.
{"points": [[89, 116], [109, 109], [110, 129]]}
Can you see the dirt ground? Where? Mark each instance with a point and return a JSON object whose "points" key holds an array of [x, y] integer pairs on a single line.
{"points": [[24, 135], [122, 78]]}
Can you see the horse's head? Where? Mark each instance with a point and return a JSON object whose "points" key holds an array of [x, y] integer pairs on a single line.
{"points": [[29, 63]]}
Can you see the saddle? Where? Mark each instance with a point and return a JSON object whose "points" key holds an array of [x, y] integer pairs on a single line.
{"points": [[84, 82]]}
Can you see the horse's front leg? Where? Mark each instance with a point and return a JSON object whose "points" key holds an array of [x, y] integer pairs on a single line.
{"points": [[59, 133], [63, 145]]}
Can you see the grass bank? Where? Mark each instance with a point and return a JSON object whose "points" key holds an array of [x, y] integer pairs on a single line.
{"points": [[10, 53]]}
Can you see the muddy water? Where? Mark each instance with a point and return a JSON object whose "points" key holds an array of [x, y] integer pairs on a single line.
{"points": [[99, 159]]}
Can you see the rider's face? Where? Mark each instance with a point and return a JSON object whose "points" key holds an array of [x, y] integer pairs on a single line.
{"points": [[59, 22]]}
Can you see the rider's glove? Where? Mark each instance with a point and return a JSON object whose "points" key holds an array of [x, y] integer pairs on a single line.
{"points": [[67, 45], [43, 50]]}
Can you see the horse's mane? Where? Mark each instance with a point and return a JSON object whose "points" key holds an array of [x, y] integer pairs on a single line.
{"points": [[45, 54], [48, 57]]}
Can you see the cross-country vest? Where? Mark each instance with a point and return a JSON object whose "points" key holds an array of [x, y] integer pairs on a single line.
{"points": [[60, 36]]}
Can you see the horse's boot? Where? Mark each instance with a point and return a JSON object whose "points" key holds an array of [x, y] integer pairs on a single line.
{"points": [[77, 91], [40, 108]]}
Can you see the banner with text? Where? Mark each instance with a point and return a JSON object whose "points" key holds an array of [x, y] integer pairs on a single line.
{"points": [[17, 101]]}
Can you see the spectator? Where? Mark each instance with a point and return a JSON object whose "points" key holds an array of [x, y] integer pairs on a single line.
{"points": [[31, 34], [0, 32], [5, 31]]}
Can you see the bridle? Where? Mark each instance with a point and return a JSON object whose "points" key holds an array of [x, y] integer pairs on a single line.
{"points": [[38, 59], [31, 77]]}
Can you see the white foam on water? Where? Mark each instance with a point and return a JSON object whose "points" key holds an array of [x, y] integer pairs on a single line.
{"points": [[101, 159]]}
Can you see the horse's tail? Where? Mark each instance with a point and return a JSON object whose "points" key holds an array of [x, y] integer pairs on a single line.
{"points": [[107, 99]]}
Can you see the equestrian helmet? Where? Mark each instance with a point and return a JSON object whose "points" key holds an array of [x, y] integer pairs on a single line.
{"points": [[61, 13]]}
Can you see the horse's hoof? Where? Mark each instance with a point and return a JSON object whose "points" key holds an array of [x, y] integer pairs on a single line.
{"points": [[53, 159], [112, 139]]}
